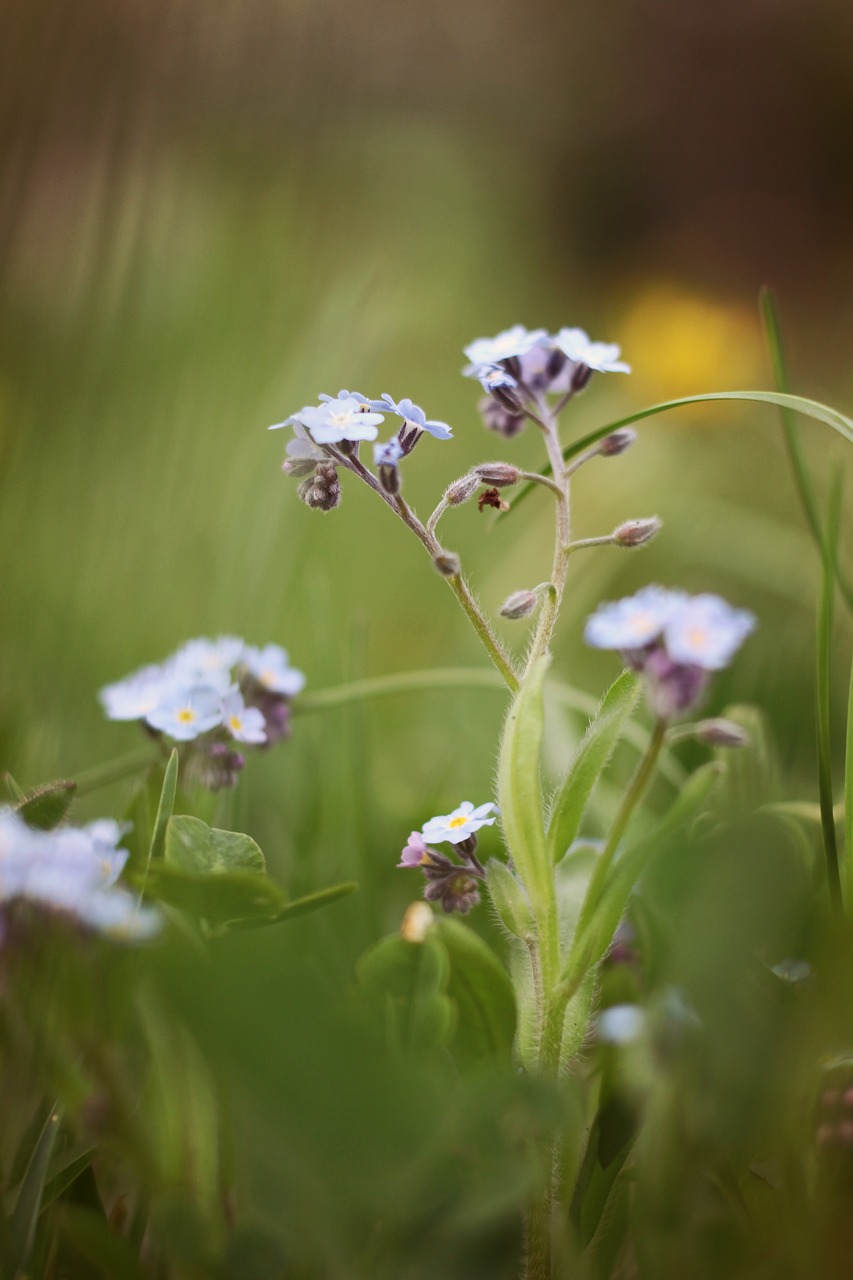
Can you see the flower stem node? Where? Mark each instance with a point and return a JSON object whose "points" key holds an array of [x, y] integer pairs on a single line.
{"points": [[322, 490], [499, 474], [617, 442], [448, 564], [519, 605], [636, 533]]}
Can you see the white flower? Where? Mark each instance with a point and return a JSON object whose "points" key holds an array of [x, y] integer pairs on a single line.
{"points": [[603, 356], [338, 420], [509, 343], [207, 661], [460, 824], [245, 724], [635, 621], [620, 1024], [271, 667], [185, 713], [706, 632]]}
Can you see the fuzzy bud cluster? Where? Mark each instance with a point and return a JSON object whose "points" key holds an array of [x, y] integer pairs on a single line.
{"points": [[322, 489]]}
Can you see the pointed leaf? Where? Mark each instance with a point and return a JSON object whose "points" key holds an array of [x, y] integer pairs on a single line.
{"points": [[16, 793], [219, 897], [164, 809], [520, 785], [824, 692], [46, 806], [509, 899], [591, 758], [848, 802], [28, 1205], [480, 987], [406, 982]]}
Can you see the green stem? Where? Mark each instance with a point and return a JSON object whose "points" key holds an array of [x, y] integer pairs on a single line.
{"points": [[101, 775], [559, 570]]}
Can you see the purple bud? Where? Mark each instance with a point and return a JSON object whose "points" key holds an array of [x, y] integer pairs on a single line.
{"points": [[617, 442], [448, 564], [500, 474], [323, 489], [461, 490], [498, 418], [635, 533], [519, 605], [721, 733]]}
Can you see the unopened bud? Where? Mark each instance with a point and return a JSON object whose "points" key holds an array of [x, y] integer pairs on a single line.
{"points": [[448, 564], [299, 467], [417, 922], [496, 417], [580, 377], [323, 489], [500, 474], [519, 605], [634, 533], [721, 733], [461, 490], [389, 478], [617, 442]]}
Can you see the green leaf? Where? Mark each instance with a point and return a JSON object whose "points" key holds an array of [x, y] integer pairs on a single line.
{"points": [[824, 651], [165, 807], [798, 404], [191, 845], [752, 771], [313, 901], [28, 1205], [593, 753], [572, 875], [46, 806], [480, 987], [218, 897], [406, 982], [520, 785], [65, 1171], [509, 899]]}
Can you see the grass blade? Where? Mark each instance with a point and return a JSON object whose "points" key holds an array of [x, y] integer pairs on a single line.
{"points": [[848, 802], [28, 1205]]}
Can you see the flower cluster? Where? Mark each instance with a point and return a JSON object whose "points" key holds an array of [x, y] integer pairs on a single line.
{"points": [[673, 639], [519, 366], [453, 884], [331, 432], [212, 693], [72, 871]]}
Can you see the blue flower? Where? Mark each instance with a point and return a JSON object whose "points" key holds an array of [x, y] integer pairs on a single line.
{"points": [[634, 621], [414, 416], [344, 418], [602, 356], [506, 345], [491, 377], [707, 632], [387, 454]]}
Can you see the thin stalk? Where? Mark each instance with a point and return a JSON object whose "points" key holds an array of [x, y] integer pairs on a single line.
{"points": [[606, 540], [824, 649], [848, 803], [551, 604]]}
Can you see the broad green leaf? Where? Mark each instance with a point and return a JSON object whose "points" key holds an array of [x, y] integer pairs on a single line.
{"points": [[509, 899], [591, 758], [217, 897], [406, 982], [164, 809], [28, 1204], [797, 404], [191, 845], [824, 654], [520, 786], [480, 987], [572, 875], [46, 806]]}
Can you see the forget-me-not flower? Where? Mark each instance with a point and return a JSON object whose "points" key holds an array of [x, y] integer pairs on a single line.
{"points": [[270, 666], [460, 824], [341, 419], [504, 346], [414, 417], [601, 356]]}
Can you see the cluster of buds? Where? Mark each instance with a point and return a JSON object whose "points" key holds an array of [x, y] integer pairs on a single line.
{"points": [[453, 884], [73, 873], [674, 640], [211, 695], [519, 367]]}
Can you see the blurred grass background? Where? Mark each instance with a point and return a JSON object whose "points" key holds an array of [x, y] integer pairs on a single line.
{"points": [[212, 213]]}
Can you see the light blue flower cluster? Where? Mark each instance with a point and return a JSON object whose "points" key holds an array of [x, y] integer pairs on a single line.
{"points": [[73, 871], [351, 416], [673, 638], [218, 690], [453, 884]]}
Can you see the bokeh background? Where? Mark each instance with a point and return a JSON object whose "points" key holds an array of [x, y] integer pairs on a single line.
{"points": [[210, 213]]}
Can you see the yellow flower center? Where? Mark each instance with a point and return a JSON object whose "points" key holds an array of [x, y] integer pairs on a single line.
{"points": [[236, 723], [458, 821], [186, 715], [698, 636]]}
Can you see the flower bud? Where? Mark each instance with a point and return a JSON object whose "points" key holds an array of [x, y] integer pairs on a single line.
{"points": [[496, 417], [634, 533], [721, 733], [323, 489], [299, 467], [461, 490], [417, 922], [581, 375], [448, 564], [519, 605], [500, 474], [617, 442]]}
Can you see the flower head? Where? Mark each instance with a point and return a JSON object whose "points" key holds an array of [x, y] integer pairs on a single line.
{"points": [[133, 697], [344, 418], [457, 826], [414, 417], [602, 356], [506, 345], [707, 632], [245, 724], [270, 667], [491, 377], [186, 712], [634, 621], [415, 854]]}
